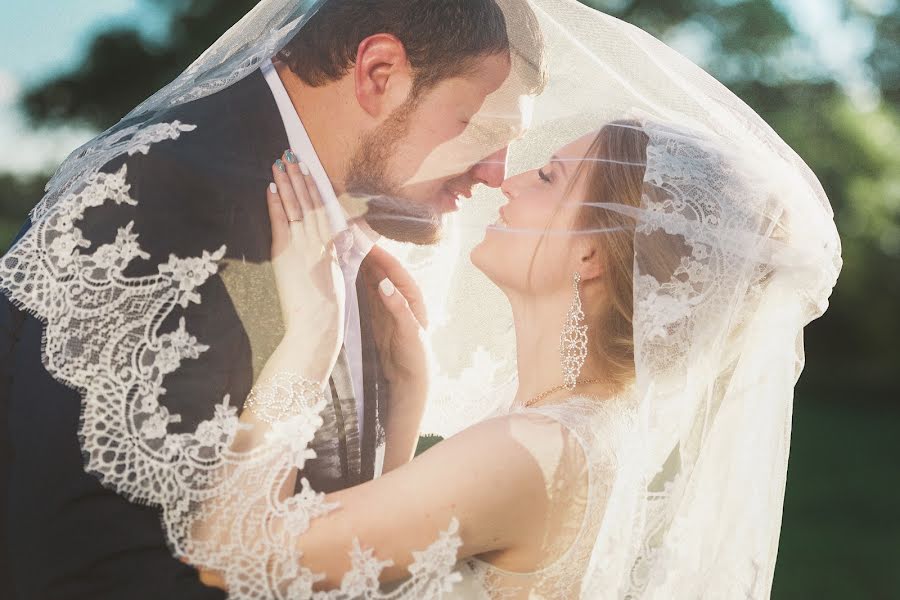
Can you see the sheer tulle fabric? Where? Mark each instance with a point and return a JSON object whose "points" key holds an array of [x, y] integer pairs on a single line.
{"points": [[699, 443]]}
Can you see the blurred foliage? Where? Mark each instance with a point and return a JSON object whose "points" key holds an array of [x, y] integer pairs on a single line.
{"points": [[884, 61], [841, 526], [122, 67], [17, 195]]}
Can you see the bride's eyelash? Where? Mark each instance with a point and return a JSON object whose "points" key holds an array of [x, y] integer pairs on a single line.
{"points": [[544, 177]]}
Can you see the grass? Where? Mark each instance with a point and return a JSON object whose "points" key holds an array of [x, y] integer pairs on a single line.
{"points": [[841, 530]]}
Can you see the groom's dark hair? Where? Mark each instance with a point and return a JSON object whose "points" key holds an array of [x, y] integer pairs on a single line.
{"points": [[443, 38]]}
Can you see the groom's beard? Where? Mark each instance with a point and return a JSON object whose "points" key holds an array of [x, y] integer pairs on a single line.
{"points": [[390, 213]]}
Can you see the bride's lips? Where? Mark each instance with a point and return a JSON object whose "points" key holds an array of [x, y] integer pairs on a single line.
{"points": [[501, 222]]}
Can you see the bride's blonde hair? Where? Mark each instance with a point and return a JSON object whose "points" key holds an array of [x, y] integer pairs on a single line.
{"points": [[613, 172]]}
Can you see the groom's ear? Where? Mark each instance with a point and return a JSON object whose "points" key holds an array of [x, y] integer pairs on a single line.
{"points": [[382, 75]]}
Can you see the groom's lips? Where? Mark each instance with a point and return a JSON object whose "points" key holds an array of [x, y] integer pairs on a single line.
{"points": [[454, 199], [450, 202], [452, 205]]}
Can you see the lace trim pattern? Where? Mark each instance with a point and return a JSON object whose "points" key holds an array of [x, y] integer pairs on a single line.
{"points": [[263, 50], [130, 140], [282, 398], [258, 36], [103, 337]]}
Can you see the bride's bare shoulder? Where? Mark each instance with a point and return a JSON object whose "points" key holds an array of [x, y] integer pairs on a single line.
{"points": [[510, 427], [526, 442]]}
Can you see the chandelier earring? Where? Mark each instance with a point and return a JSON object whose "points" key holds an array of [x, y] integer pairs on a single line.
{"points": [[573, 341]]}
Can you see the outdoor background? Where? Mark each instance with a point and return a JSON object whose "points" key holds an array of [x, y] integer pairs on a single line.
{"points": [[824, 73]]}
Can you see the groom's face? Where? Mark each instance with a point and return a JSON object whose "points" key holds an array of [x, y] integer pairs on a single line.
{"points": [[432, 151]]}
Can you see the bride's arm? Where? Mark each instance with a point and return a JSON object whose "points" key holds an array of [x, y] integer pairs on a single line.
{"points": [[492, 478], [487, 477]]}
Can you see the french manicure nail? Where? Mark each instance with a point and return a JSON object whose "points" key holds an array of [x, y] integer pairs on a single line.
{"points": [[279, 164], [273, 188], [387, 287], [291, 157], [304, 169]]}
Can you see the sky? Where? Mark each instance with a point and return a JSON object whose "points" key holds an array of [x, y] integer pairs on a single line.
{"points": [[40, 38]]}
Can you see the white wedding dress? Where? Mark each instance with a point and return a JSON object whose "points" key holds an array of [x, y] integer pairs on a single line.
{"points": [[579, 476]]}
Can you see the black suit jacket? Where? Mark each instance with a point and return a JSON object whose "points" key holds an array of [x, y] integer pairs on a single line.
{"points": [[66, 535]]}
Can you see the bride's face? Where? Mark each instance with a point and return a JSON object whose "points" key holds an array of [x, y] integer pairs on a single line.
{"points": [[530, 249]]}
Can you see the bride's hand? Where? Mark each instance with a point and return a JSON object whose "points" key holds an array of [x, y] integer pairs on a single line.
{"points": [[401, 320], [309, 280]]}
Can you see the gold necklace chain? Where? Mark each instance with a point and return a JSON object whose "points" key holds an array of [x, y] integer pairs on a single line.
{"points": [[544, 395]]}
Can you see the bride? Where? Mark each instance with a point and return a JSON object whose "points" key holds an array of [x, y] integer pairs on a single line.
{"points": [[535, 492]]}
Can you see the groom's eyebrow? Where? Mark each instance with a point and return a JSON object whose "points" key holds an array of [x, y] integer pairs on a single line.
{"points": [[561, 163]]}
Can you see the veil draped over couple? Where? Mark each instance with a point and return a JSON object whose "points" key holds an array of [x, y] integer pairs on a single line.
{"points": [[521, 225]]}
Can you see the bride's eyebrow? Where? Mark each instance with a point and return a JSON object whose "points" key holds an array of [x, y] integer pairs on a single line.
{"points": [[561, 163]]}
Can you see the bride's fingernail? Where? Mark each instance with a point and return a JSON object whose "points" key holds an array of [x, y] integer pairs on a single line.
{"points": [[290, 157], [387, 287], [304, 169], [279, 164], [273, 188]]}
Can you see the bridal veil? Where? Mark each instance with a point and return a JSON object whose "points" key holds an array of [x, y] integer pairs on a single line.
{"points": [[695, 506]]}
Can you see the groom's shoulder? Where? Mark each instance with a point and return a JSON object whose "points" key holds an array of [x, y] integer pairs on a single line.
{"points": [[235, 109], [218, 133]]}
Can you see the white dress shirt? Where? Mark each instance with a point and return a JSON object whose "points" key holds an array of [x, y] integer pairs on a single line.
{"points": [[353, 245]]}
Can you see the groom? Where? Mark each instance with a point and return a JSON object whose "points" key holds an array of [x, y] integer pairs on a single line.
{"points": [[377, 98]]}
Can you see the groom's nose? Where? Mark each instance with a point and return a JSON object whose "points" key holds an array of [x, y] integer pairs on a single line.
{"points": [[491, 171]]}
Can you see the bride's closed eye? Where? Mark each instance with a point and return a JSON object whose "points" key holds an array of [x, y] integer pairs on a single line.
{"points": [[544, 177]]}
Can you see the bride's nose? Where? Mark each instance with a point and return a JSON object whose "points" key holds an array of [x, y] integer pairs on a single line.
{"points": [[512, 186]]}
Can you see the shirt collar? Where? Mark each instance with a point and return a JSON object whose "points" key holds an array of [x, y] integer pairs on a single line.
{"points": [[358, 243]]}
